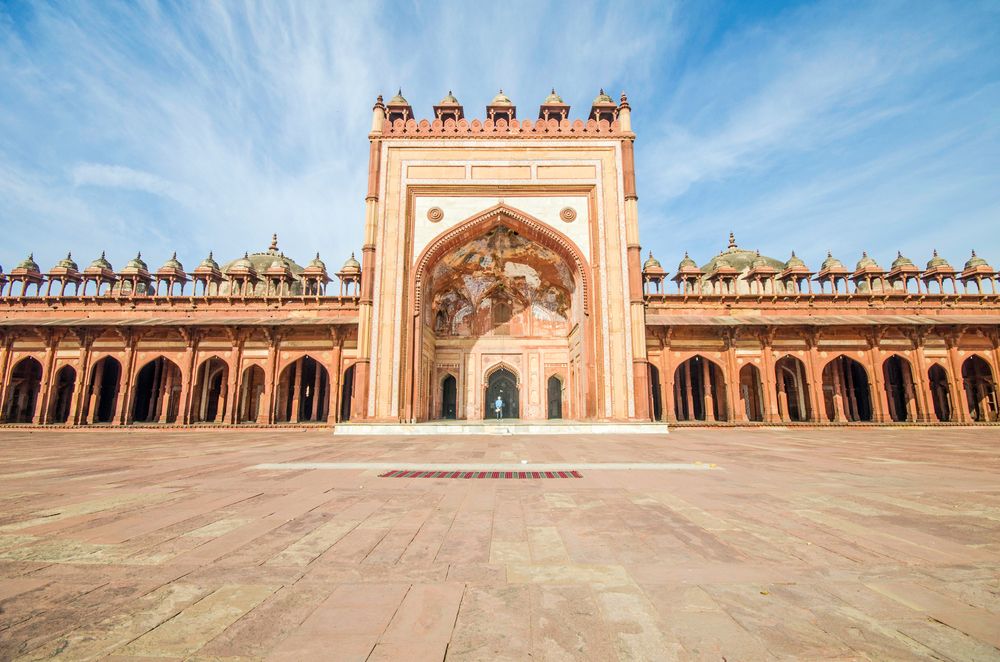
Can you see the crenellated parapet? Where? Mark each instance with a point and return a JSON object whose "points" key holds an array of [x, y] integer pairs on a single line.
{"points": [[606, 119]]}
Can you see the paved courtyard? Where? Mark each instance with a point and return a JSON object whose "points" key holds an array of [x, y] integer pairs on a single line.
{"points": [[285, 544]]}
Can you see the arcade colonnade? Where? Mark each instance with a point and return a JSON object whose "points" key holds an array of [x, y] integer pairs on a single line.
{"points": [[719, 375], [178, 377]]}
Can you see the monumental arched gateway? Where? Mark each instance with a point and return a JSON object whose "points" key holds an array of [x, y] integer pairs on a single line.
{"points": [[500, 287]]}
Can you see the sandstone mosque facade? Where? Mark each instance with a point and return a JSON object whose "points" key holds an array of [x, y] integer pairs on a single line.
{"points": [[501, 256]]}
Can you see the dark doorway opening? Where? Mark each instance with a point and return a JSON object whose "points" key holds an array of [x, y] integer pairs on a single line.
{"points": [[554, 389], [449, 397], [502, 383]]}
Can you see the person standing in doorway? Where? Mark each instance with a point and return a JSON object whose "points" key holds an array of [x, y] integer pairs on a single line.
{"points": [[498, 406]]}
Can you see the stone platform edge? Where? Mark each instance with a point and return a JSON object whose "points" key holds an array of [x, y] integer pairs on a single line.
{"points": [[416, 429]]}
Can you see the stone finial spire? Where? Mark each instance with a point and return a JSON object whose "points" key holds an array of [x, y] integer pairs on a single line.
{"points": [[274, 243], [624, 114], [732, 240]]}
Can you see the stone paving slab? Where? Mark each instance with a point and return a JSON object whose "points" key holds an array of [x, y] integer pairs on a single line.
{"points": [[707, 544]]}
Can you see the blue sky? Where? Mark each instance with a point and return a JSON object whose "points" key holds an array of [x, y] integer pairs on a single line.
{"points": [[208, 126]]}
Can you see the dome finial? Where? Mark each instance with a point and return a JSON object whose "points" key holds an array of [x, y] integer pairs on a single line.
{"points": [[732, 240], [174, 256], [274, 242], [973, 252]]}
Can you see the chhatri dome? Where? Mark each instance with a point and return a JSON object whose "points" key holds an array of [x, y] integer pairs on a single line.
{"points": [[398, 100], [351, 266], [937, 262], [739, 259], [651, 263], [449, 100], [67, 263], [975, 261], [866, 262], [501, 100], [831, 263], [603, 98], [795, 262], [553, 97], [262, 260], [901, 261]]}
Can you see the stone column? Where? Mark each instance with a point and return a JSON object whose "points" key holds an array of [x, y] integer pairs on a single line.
{"points": [[925, 397], [733, 411], [93, 395], [880, 406], [166, 390], [817, 400], [669, 387], [909, 393], [123, 405], [297, 390], [315, 394], [238, 339], [838, 390], [333, 397], [689, 388], [266, 411], [83, 367], [766, 338], [41, 414], [706, 383], [958, 386]]}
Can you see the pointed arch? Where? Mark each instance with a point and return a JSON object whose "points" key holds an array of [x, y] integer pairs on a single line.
{"points": [[900, 389], [979, 383], [847, 390], [699, 390], [60, 400], [156, 395], [302, 391], [23, 389], [521, 222], [793, 389], [208, 404]]}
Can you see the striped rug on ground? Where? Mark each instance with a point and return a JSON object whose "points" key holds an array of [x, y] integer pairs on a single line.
{"points": [[402, 473]]}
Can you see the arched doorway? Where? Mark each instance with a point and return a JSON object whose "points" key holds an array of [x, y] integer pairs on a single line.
{"points": [[61, 399], [102, 394], [449, 397], [347, 394], [940, 392], [846, 392], [502, 383], [500, 279], [699, 391], [251, 395], [554, 397], [793, 394], [157, 390], [751, 393], [980, 389], [208, 404], [655, 393], [22, 391], [900, 391], [302, 390]]}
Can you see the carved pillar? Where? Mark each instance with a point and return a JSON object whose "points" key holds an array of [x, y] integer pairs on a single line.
{"points": [[689, 388], [167, 390], [706, 383], [6, 345], [93, 394], [733, 411], [816, 400], [314, 413], [766, 337], [266, 413], [838, 390], [951, 339], [669, 388], [238, 339], [333, 397], [80, 386], [123, 406], [297, 390], [925, 398], [191, 339], [41, 414], [881, 413]]}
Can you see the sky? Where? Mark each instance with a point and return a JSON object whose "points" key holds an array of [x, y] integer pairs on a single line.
{"points": [[805, 126]]}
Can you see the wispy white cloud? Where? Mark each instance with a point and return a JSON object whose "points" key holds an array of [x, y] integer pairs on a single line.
{"points": [[210, 125]]}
